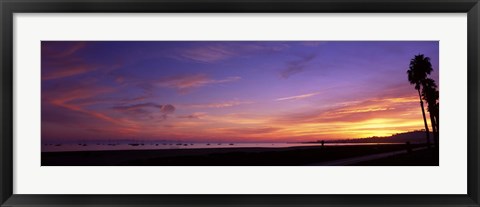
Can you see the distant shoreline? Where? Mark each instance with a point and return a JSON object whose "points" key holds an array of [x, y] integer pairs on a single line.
{"points": [[127, 147]]}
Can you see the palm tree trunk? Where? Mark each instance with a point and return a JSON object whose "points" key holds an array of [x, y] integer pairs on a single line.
{"points": [[437, 119], [437, 126], [424, 119], [434, 128]]}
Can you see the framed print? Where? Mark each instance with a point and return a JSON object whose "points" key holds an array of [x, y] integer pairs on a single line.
{"points": [[259, 103], [131, 115]]}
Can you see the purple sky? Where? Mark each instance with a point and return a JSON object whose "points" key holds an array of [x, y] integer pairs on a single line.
{"points": [[229, 91]]}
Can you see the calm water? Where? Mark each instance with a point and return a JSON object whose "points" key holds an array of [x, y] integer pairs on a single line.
{"points": [[97, 147]]}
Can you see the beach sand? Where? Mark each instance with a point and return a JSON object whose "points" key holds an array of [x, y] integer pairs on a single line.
{"points": [[291, 156]]}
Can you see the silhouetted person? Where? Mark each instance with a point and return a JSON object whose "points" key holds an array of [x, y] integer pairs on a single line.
{"points": [[409, 147]]}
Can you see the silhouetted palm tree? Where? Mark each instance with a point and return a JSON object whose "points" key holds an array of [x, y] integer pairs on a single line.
{"points": [[430, 95], [437, 114], [420, 67]]}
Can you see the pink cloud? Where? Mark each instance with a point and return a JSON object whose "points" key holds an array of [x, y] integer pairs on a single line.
{"points": [[250, 130], [185, 83], [404, 107], [60, 61], [67, 96], [67, 71], [218, 104], [196, 115]]}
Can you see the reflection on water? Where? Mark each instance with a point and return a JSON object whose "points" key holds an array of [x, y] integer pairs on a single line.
{"points": [[101, 147]]}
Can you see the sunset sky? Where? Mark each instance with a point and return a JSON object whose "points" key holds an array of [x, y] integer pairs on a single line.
{"points": [[234, 91]]}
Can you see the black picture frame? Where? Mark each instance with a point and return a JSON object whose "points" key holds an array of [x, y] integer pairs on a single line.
{"points": [[10, 7]]}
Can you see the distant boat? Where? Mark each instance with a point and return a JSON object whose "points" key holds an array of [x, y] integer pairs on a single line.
{"points": [[231, 144], [133, 144]]}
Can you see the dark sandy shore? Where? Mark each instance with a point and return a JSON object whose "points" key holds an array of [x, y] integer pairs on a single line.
{"points": [[292, 156], [426, 157]]}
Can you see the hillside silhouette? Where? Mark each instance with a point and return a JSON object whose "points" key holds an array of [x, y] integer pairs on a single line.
{"points": [[412, 137]]}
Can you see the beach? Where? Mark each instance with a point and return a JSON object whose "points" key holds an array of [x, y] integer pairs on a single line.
{"points": [[254, 156]]}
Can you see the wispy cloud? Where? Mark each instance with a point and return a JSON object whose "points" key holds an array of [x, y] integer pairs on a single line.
{"points": [[240, 118], [263, 47], [67, 71], [144, 110], [249, 130], [292, 98], [358, 111], [297, 66], [211, 52], [187, 82], [65, 98], [206, 54], [61, 50], [218, 104], [196, 115], [137, 106], [62, 60]]}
